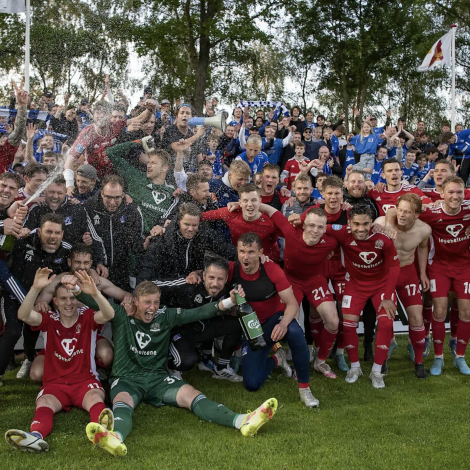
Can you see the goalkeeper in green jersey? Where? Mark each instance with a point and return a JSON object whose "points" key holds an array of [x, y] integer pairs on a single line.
{"points": [[141, 345]]}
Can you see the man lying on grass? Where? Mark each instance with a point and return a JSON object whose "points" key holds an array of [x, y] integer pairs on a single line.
{"points": [[70, 377], [140, 350]]}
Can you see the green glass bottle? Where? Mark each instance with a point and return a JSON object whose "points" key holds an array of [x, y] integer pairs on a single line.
{"points": [[250, 324], [7, 242]]}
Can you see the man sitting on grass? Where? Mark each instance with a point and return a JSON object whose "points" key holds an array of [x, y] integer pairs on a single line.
{"points": [[141, 348], [70, 377]]}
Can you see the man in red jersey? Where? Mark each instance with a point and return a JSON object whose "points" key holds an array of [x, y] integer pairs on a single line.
{"points": [[270, 177], [248, 219], [306, 248], [412, 236], [70, 377], [449, 264], [373, 268], [93, 140], [392, 172], [270, 295]]}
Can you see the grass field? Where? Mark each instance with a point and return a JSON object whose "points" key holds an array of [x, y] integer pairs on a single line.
{"points": [[411, 424]]}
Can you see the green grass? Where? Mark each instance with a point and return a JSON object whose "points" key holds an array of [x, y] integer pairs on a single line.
{"points": [[411, 424]]}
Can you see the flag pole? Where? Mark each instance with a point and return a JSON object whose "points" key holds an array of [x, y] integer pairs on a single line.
{"points": [[452, 128], [27, 47]]}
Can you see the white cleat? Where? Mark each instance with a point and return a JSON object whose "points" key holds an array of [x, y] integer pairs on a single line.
{"points": [[281, 357], [353, 374], [306, 397], [227, 374], [23, 373], [377, 379], [26, 442]]}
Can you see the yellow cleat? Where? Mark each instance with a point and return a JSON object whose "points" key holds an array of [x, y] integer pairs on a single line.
{"points": [[107, 440], [106, 419], [257, 418]]}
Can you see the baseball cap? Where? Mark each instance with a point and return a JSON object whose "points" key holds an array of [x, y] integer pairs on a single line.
{"points": [[165, 102], [87, 171]]}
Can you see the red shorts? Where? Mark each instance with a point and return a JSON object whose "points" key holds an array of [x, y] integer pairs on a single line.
{"points": [[334, 271], [355, 297], [71, 395], [408, 288], [316, 290], [444, 278]]}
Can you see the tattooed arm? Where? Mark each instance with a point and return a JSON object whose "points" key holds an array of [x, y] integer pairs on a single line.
{"points": [[20, 123]]}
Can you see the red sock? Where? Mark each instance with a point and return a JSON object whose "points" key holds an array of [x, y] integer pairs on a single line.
{"points": [[316, 327], [95, 411], [42, 421], [327, 341], [438, 335], [383, 338], [417, 335], [304, 385], [463, 335], [351, 340], [454, 321], [427, 319], [340, 336]]}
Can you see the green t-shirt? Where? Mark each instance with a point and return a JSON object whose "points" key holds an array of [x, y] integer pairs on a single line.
{"points": [[156, 201], [142, 348]]}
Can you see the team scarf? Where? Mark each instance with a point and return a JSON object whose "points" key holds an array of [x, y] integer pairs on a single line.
{"points": [[32, 114], [59, 139], [279, 105]]}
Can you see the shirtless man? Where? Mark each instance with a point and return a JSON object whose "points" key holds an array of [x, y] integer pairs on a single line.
{"points": [[412, 234], [80, 260]]}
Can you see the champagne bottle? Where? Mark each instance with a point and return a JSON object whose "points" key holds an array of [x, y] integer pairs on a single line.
{"points": [[7, 242], [250, 324]]}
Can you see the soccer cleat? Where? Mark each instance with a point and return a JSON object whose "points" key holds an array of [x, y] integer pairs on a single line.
{"points": [[206, 364], [307, 398], [107, 440], [420, 372], [281, 357], [23, 373], [25, 441], [368, 352], [341, 362], [377, 379], [427, 347], [254, 420], [324, 369], [453, 346], [393, 346], [289, 354], [460, 363], [436, 368], [353, 374], [311, 353], [228, 374], [106, 419], [235, 363], [411, 351]]}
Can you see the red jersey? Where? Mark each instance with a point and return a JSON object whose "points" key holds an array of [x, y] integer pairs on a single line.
{"points": [[291, 170], [69, 352], [268, 199], [94, 146], [435, 195], [388, 199], [449, 244], [278, 280], [7, 155], [302, 262], [263, 227], [368, 262]]}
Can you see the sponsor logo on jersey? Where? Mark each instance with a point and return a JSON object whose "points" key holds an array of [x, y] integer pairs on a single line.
{"points": [[155, 327], [29, 255], [322, 241], [79, 148], [353, 243], [58, 260], [379, 244], [132, 322], [78, 328], [336, 227], [386, 207], [68, 345], [454, 230], [379, 199], [68, 220], [96, 219], [142, 339], [178, 311], [198, 299], [158, 197], [368, 256]]}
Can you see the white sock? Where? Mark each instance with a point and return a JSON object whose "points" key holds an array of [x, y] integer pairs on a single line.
{"points": [[239, 420], [320, 361], [376, 368], [439, 357], [339, 351], [356, 365]]}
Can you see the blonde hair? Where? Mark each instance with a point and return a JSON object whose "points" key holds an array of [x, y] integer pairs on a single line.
{"points": [[240, 167]]}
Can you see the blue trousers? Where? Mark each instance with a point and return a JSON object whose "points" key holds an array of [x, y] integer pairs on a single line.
{"points": [[257, 365]]}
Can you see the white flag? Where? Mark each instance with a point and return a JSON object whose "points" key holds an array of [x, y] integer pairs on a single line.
{"points": [[439, 54], [12, 6]]}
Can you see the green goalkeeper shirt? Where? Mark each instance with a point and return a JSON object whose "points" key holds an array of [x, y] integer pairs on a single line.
{"points": [[156, 201], [142, 348]]}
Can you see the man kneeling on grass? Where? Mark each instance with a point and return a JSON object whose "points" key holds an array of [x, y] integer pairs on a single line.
{"points": [[141, 345], [70, 377]]}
